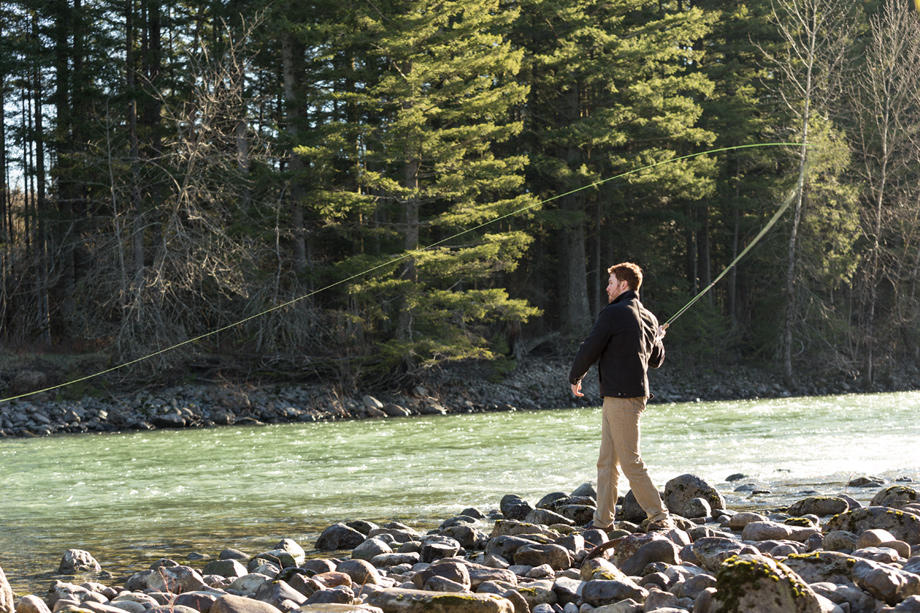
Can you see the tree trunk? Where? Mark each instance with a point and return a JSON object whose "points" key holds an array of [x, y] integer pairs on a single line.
{"points": [[42, 247], [291, 55], [410, 242]]}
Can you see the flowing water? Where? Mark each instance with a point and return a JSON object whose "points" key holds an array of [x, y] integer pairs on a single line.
{"points": [[132, 498]]}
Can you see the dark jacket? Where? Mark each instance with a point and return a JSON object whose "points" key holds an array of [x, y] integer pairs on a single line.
{"points": [[624, 342]]}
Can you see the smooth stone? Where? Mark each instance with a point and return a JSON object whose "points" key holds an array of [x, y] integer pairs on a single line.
{"points": [[228, 567], [305, 585], [333, 579], [546, 518], [556, 556], [770, 530], [697, 508], [840, 540], [443, 584], [27, 604], [866, 482], [419, 601], [469, 537], [505, 546], [172, 608], [712, 551], [585, 489], [873, 537], [910, 604], [339, 608], [855, 598], [340, 594], [435, 547], [78, 561], [277, 592], [249, 584], [233, 554], [760, 584], [579, 513], [318, 566], [818, 505], [549, 500], [598, 592], [539, 591], [360, 571], [885, 582], [878, 554], [200, 601], [175, 579], [453, 570], [480, 574], [339, 536], [567, 589], [679, 491], [394, 559]]}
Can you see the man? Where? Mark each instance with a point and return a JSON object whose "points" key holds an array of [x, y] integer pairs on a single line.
{"points": [[625, 341]]}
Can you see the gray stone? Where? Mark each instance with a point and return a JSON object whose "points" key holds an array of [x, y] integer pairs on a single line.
{"points": [[292, 547], [480, 574], [712, 551], [468, 536], [170, 608], [319, 565], [339, 608], [539, 591], [697, 508], [585, 489], [818, 505], [866, 482], [453, 570], [556, 556], [78, 561], [885, 582], [395, 559], [769, 530], [549, 501], [360, 571], [658, 549], [340, 594], [599, 592], [679, 491], [630, 510], [760, 584], [443, 584], [514, 507], [855, 598], [249, 584], [567, 589], [692, 587], [840, 540], [505, 545], [547, 518], [233, 554], [896, 496], [224, 568], [420, 601], [339, 536], [578, 513], [199, 601], [904, 526], [175, 579], [739, 520], [434, 547], [373, 546], [276, 592], [26, 604], [908, 605]]}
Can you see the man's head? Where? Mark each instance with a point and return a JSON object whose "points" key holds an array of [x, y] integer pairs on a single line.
{"points": [[624, 276]]}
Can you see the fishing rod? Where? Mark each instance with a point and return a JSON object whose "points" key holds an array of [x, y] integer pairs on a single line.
{"points": [[409, 254]]}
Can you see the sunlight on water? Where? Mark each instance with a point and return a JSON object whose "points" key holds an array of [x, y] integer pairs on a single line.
{"points": [[133, 497]]}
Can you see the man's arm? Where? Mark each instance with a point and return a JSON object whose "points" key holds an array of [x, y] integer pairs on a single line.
{"points": [[590, 350]]}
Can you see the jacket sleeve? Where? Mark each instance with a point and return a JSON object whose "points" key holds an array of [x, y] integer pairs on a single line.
{"points": [[656, 355], [592, 347]]}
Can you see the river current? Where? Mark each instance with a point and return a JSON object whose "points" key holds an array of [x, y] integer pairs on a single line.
{"points": [[132, 498]]}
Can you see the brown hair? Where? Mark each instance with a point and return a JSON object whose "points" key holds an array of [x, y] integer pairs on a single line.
{"points": [[629, 272]]}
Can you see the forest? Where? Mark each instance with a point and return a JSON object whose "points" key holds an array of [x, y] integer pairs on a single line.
{"points": [[361, 191]]}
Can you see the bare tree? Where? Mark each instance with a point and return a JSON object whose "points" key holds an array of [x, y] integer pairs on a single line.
{"points": [[815, 34], [887, 105]]}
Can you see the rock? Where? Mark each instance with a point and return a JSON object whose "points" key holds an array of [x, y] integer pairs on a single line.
{"points": [[78, 561], [585, 489], [567, 589], [739, 520], [581, 514], [318, 566], [26, 604], [599, 568], [333, 579], [697, 508], [599, 592], [443, 584], [548, 501], [371, 547], [712, 551], [435, 547], [175, 579], [822, 566], [749, 583], [840, 540], [6, 595], [449, 569], [360, 571], [504, 546], [908, 605], [556, 556], [225, 568], [818, 505], [885, 582], [510, 527], [291, 547], [896, 496], [514, 507], [904, 526], [418, 601], [481, 574], [630, 509], [340, 594], [339, 536], [659, 549], [546, 517], [240, 604], [339, 608], [395, 559], [198, 601], [873, 537], [395, 410], [277, 592], [233, 554], [852, 596], [768, 530], [468, 536], [537, 592], [866, 482], [679, 491], [249, 584]]}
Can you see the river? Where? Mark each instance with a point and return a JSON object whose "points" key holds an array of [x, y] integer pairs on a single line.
{"points": [[133, 498]]}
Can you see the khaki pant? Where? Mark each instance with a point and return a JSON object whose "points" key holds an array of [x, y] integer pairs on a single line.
{"points": [[620, 447]]}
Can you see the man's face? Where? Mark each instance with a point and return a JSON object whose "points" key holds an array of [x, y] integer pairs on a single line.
{"points": [[615, 287]]}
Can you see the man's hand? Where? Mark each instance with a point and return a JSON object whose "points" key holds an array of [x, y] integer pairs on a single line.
{"points": [[576, 389], [662, 330]]}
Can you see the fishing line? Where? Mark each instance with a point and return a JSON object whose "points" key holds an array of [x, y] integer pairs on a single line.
{"points": [[760, 235], [409, 254]]}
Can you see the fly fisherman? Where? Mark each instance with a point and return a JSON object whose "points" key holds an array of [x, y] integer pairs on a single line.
{"points": [[625, 341]]}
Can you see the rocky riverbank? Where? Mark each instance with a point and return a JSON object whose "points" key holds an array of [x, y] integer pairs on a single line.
{"points": [[537, 383], [820, 554]]}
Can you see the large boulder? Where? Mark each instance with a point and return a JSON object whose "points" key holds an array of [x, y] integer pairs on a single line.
{"points": [[903, 525], [897, 496], [78, 561], [680, 491], [393, 600], [758, 584]]}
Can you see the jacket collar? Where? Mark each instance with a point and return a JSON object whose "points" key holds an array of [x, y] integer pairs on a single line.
{"points": [[627, 295]]}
